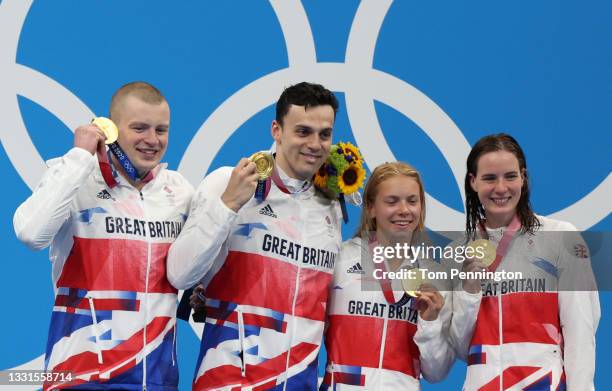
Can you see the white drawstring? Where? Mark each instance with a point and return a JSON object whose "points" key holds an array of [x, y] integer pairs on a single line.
{"points": [[95, 328], [241, 337]]}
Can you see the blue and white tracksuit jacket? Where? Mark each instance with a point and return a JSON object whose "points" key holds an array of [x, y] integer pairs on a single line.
{"points": [[113, 324], [267, 271], [536, 332], [372, 345]]}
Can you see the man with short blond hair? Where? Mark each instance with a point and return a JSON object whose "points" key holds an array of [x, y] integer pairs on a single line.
{"points": [[109, 219]]}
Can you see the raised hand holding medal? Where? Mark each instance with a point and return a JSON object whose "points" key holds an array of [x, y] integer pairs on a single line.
{"points": [[484, 255], [241, 185], [264, 166], [429, 301], [485, 251], [108, 127], [110, 130], [490, 255], [90, 138], [412, 282], [477, 263]]}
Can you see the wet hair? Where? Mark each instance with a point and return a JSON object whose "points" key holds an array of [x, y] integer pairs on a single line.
{"points": [[141, 90], [379, 175], [304, 94], [474, 211]]}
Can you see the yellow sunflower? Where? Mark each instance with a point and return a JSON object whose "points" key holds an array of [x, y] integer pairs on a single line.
{"points": [[352, 151], [351, 179], [320, 178]]}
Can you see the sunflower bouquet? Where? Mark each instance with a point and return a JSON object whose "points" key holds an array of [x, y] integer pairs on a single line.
{"points": [[342, 175]]}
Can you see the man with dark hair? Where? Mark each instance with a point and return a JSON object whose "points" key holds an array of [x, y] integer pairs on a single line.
{"points": [[304, 94], [266, 262], [113, 324]]}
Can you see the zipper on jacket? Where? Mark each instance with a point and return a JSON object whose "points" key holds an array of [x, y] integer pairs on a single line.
{"points": [[95, 328], [241, 339], [146, 305], [295, 295], [383, 343], [501, 343], [331, 387], [146, 313], [174, 347]]}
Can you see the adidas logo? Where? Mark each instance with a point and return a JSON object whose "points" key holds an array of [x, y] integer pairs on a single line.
{"points": [[105, 195], [356, 268], [267, 210]]}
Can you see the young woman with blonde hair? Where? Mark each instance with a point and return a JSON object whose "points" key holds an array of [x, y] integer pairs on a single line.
{"points": [[378, 337]]}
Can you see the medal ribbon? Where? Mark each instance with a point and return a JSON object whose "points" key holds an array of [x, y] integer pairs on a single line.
{"points": [[279, 183], [502, 247], [385, 284], [343, 207], [107, 170], [281, 186], [125, 162], [262, 189]]}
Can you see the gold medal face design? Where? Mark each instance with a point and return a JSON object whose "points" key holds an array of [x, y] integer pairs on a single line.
{"points": [[411, 285], [488, 248], [108, 127], [264, 163]]}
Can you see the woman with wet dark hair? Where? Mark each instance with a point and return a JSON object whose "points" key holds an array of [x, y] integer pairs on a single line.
{"points": [[475, 212], [536, 332]]}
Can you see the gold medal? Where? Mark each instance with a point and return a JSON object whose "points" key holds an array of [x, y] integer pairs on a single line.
{"points": [[412, 282], [264, 163], [489, 250], [108, 127]]}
